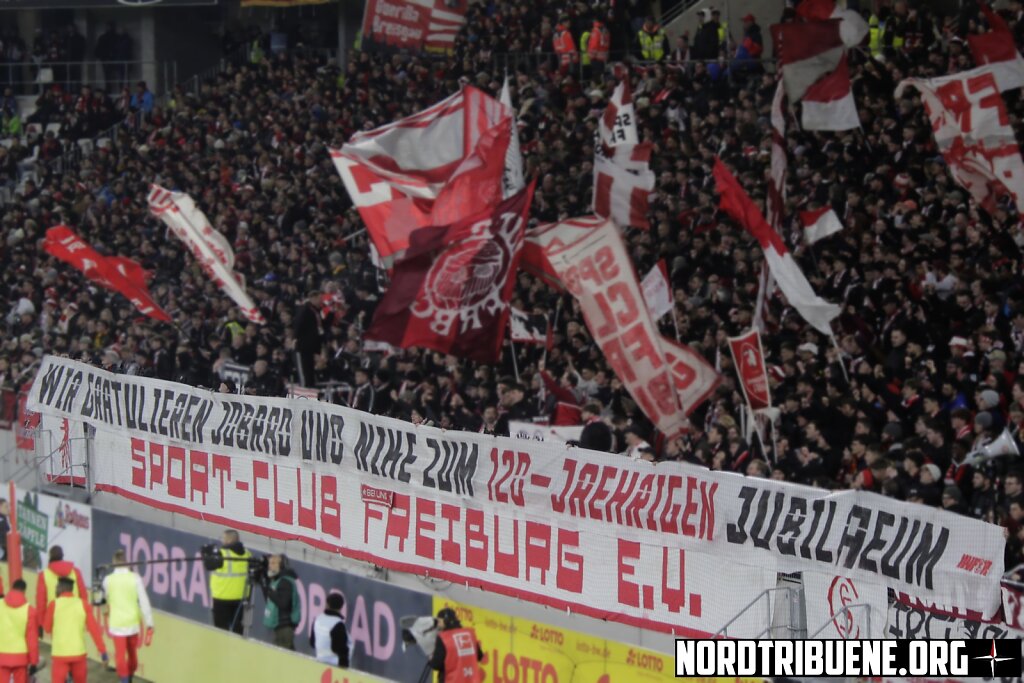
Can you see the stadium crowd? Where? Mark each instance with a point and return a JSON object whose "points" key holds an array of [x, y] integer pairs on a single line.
{"points": [[931, 337]]}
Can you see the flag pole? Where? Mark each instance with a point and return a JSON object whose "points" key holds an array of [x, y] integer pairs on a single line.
{"points": [[553, 324], [839, 352], [675, 323], [515, 363]]}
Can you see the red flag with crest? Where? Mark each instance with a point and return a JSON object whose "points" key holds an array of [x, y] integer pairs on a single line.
{"points": [[116, 273], [748, 356], [451, 291]]}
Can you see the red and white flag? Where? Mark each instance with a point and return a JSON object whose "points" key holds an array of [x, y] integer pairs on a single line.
{"points": [[210, 248], [972, 129], [595, 267], [657, 290], [623, 180], [819, 224], [617, 125], [748, 356], [451, 291], [429, 169], [998, 50], [807, 51], [115, 273], [812, 55], [828, 104], [788, 276]]}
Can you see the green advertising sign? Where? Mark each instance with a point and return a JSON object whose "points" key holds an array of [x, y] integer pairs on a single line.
{"points": [[33, 526]]}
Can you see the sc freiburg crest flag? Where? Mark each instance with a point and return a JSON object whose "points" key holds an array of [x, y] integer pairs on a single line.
{"points": [[451, 291]]}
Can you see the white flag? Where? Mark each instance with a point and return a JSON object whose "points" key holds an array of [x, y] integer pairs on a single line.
{"points": [[211, 248], [512, 181], [657, 290]]}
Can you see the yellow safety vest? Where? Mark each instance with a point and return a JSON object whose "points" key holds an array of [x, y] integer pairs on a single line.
{"points": [[13, 624], [723, 31], [874, 37], [652, 47], [50, 578], [584, 41], [123, 600], [68, 627], [228, 582]]}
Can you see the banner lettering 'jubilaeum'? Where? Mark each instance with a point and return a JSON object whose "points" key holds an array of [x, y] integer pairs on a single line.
{"points": [[671, 547]]}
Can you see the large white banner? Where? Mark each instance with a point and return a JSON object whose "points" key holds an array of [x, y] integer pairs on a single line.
{"points": [[672, 547]]}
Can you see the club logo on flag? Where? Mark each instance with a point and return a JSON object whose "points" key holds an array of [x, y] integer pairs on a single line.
{"points": [[468, 279], [749, 359]]}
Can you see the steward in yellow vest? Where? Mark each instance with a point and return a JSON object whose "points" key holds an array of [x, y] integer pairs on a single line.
{"points": [[229, 580], [19, 636], [127, 609], [57, 568], [67, 619]]}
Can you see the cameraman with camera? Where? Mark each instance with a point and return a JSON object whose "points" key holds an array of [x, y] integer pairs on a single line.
{"points": [[284, 607], [229, 579]]}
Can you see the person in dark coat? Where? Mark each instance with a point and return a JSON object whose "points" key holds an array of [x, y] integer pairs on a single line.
{"points": [[308, 339], [596, 435]]}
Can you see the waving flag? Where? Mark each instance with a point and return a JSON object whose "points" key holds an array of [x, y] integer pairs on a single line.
{"points": [[998, 50], [451, 291], [972, 129], [115, 273], [623, 180], [819, 224], [658, 290], [790, 279], [590, 258], [428, 169], [208, 246], [812, 55], [748, 356]]}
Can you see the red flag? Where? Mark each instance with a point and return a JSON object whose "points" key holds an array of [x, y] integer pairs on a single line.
{"points": [[748, 356], [451, 291], [816, 9], [115, 273]]}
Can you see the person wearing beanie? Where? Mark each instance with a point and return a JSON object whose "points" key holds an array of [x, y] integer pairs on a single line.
{"points": [[930, 484], [953, 500]]}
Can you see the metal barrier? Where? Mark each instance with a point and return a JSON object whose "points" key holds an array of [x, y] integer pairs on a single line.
{"points": [[31, 78], [847, 610], [794, 596]]}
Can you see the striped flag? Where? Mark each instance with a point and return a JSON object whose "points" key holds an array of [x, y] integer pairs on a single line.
{"points": [[513, 180], [819, 224], [791, 280], [428, 169]]}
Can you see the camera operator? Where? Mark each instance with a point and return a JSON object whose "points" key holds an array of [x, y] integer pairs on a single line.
{"points": [[457, 653], [229, 579], [284, 607]]}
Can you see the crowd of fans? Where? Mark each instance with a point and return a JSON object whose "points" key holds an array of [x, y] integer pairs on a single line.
{"points": [[929, 351]]}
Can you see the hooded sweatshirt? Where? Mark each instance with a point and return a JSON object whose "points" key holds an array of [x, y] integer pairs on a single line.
{"points": [[60, 568], [16, 599]]}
